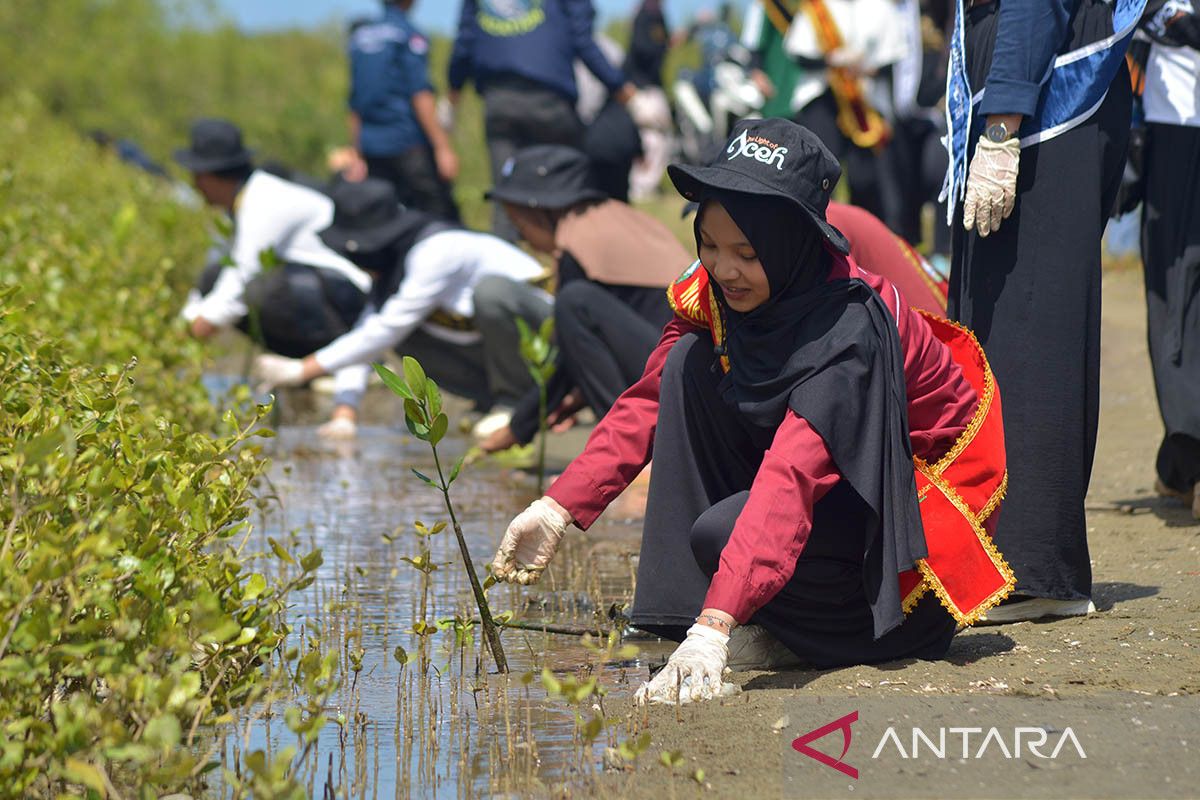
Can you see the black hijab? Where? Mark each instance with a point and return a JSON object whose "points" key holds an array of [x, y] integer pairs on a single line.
{"points": [[830, 352]]}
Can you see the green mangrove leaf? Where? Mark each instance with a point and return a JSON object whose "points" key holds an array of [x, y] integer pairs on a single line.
{"points": [[393, 381], [414, 375]]}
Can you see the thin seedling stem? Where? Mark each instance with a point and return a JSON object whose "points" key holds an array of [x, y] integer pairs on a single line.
{"points": [[491, 635]]}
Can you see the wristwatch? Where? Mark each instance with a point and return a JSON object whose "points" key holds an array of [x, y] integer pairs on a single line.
{"points": [[997, 132]]}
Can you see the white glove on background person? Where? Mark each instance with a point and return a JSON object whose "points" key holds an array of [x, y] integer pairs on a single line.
{"points": [[991, 184], [338, 428], [529, 543], [693, 672], [272, 371]]}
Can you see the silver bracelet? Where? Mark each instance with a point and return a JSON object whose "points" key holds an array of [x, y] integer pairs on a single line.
{"points": [[710, 618]]}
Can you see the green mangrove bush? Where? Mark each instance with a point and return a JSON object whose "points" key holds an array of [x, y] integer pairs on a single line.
{"points": [[131, 620]]}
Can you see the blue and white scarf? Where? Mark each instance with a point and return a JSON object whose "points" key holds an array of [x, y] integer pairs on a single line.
{"points": [[1078, 84]]}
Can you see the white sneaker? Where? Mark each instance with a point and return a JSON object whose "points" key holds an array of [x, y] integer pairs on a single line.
{"points": [[752, 647], [1036, 608], [493, 421]]}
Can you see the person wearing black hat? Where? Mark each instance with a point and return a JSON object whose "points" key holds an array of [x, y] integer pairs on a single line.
{"points": [[832, 454], [311, 295], [613, 264], [443, 295]]}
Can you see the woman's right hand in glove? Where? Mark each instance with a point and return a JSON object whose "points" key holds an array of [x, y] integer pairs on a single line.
{"points": [[530, 542]]}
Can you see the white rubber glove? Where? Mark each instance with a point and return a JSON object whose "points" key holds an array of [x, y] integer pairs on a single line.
{"points": [[693, 672], [271, 371], [338, 428], [529, 543], [991, 184]]}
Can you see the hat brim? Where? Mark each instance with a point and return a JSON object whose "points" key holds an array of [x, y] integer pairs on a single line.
{"points": [[193, 162], [349, 242], [548, 200], [695, 183]]}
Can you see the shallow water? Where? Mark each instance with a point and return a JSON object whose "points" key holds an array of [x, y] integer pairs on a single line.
{"points": [[453, 731]]}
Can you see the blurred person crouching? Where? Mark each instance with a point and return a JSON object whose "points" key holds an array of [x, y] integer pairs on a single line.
{"points": [[278, 282], [444, 295], [614, 263]]}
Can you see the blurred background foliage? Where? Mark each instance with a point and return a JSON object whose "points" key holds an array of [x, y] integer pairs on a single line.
{"points": [[133, 618], [144, 69]]}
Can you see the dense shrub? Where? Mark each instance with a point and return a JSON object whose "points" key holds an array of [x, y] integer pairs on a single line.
{"points": [[128, 615]]}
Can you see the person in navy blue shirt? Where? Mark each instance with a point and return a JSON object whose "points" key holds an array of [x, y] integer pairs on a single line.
{"points": [[520, 55], [1025, 270], [393, 112]]}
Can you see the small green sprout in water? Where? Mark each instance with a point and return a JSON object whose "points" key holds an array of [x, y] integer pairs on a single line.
{"points": [[631, 748], [540, 357], [425, 420]]}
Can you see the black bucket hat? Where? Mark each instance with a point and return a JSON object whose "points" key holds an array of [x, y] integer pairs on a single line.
{"points": [[216, 146], [550, 176], [774, 158], [367, 217]]}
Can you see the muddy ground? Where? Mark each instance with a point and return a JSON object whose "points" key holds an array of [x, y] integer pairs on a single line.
{"points": [[1143, 641]]}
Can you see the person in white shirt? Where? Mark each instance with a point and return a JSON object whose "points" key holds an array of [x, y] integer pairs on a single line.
{"points": [[279, 282], [871, 39], [1171, 238], [443, 295]]}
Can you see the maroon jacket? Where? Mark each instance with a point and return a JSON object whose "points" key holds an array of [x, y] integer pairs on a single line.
{"points": [[796, 471]]}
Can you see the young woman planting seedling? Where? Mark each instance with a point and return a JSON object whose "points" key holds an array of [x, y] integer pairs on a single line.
{"points": [[826, 455]]}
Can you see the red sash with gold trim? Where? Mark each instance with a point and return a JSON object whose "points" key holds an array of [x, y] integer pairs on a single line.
{"points": [[958, 495]]}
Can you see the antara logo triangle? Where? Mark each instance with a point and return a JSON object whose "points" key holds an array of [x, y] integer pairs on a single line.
{"points": [[801, 744]]}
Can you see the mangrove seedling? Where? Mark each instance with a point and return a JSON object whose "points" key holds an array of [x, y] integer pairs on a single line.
{"points": [[540, 357], [425, 420]]}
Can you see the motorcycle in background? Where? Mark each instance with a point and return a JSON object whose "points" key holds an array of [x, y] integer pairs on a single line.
{"points": [[708, 101]]}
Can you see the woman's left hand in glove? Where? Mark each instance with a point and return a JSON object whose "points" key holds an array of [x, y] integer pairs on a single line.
{"points": [[694, 671]]}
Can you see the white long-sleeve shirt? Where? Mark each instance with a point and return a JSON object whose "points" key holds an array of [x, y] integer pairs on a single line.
{"points": [[271, 213], [1172, 95], [440, 272], [874, 28]]}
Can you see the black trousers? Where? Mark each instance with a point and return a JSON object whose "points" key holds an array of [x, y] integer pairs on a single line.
{"points": [[603, 345], [1031, 294], [919, 160], [869, 174], [418, 185], [705, 462], [499, 302], [295, 309], [460, 369], [1171, 259], [519, 113], [604, 342]]}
